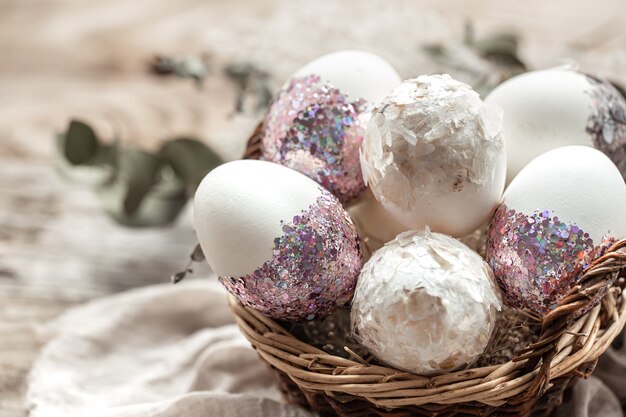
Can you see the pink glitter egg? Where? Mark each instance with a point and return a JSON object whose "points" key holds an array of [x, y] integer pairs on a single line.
{"points": [[318, 119], [559, 214], [277, 240]]}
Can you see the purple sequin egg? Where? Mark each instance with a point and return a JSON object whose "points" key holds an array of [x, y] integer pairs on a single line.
{"points": [[277, 240], [317, 121], [559, 214]]}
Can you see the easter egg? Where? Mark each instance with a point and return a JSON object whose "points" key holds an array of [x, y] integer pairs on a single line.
{"points": [[425, 303], [277, 240], [558, 214], [547, 109], [317, 120], [433, 155], [374, 224]]}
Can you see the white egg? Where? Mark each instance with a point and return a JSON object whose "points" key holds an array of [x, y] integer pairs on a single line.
{"points": [[433, 155], [360, 74], [559, 213], [547, 109], [374, 224], [276, 239], [223, 200]]}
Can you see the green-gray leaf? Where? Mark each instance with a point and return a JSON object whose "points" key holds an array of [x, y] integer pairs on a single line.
{"points": [[141, 200], [138, 172], [97, 170], [190, 159], [80, 143], [619, 88], [502, 43]]}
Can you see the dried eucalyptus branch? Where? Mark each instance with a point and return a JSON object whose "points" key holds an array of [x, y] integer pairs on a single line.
{"points": [[196, 256], [253, 84], [482, 62], [136, 188], [194, 67]]}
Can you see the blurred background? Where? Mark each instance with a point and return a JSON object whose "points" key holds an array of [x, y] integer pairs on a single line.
{"points": [[99, 61]]}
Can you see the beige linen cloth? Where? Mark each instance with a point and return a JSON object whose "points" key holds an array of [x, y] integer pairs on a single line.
{"points": [[174, 351]]}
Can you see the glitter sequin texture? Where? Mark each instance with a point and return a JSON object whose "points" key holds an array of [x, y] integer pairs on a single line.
{"points": [[313, 270], [314, 128], [537, 258], [607, 122]]}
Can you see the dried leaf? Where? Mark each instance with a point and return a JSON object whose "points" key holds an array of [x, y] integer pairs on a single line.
{"points": [[190, 159], [179, 276], [195, 67], [136, 188], [158, 202], [138, 169], [82, 158], [79, 144], [619, 88], [483, 63], [197, 255], [433, 50], [501, 49], [253, 84], [502, 43], [162, 65]]}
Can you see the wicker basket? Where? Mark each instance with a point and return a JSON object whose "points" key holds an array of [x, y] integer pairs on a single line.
{"points": [[534, 382]]}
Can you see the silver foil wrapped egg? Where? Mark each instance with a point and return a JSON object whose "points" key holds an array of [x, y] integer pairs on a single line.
{"points": [[433, 155], [425, 303]]}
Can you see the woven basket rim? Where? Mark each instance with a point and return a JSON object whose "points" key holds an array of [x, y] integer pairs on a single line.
{"points": [[569, 344]]}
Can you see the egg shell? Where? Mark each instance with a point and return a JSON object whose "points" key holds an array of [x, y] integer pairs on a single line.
{"points": [[425, 303], [433, 155], [559, 213], [277, 240], [238, 209], [359, 74], [377, 222], [579, 184], [547, 109], [374, 224]]}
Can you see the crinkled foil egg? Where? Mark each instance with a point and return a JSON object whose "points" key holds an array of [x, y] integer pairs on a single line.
{"points": [[425, 303], [547, 109], [317, 121], [277, 240], [558, 214], [434, 155]]}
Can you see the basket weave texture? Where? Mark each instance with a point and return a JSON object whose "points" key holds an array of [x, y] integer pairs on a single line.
{"points": [[534, 382]]}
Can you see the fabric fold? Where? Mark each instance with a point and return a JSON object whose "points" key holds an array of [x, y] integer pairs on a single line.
{"points": [[160, 351], [175, 351]]}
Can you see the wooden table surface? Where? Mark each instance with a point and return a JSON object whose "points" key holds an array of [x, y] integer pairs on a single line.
{"points": [[68, 58]]}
